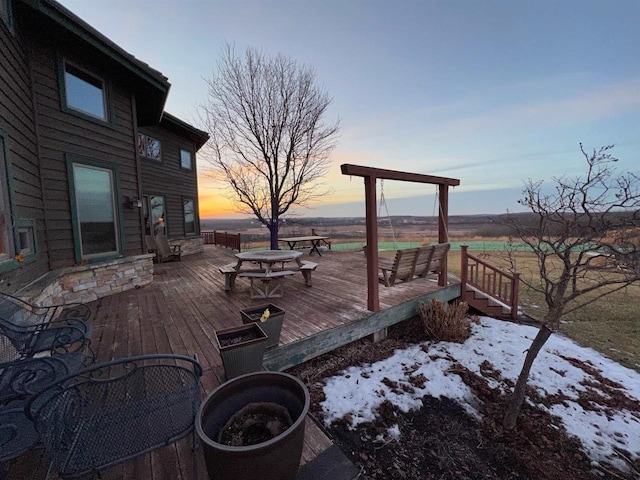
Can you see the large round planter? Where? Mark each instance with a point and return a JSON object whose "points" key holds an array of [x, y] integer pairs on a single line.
{"points": [[275, 459]]}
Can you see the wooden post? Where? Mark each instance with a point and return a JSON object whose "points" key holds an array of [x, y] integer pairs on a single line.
{"points": [[443, 228], [464, 260], [370, 176], [515, 287], [370, 197]]}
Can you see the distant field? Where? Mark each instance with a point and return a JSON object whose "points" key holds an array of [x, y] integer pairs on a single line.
{"points": [[610, 325]]}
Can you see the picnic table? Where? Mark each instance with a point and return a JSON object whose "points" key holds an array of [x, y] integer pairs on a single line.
{"points": [[313, 239], [270, 270]]}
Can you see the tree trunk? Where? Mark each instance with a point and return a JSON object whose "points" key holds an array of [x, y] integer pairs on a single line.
{"points": [[515, 403], [273, 231]]}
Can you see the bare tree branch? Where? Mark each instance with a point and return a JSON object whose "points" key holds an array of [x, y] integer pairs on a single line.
{"points": [[269, 140], [586, 238]]}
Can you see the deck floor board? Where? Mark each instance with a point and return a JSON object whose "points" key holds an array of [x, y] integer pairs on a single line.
{"points": [[184, 306]]}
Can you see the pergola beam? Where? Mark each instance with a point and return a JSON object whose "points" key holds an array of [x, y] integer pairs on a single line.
{"points": [[371, 175]]}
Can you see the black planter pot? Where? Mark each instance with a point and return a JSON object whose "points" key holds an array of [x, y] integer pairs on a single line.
{"points": [[243, 357], [271, 327], [275, 459]]}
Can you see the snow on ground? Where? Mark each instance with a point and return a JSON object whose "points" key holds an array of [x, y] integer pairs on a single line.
{"points": [[358, 391]]}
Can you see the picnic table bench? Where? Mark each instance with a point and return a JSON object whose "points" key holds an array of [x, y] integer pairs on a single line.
{"points": [[264, 268], [230, 272]]}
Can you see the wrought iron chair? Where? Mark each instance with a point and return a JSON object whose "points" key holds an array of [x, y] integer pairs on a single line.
{"points": [[21, 379], [116, 411], [17, 342], [22, 313]]}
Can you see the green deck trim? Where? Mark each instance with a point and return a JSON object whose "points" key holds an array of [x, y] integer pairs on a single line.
{"points": [[295, 353]]}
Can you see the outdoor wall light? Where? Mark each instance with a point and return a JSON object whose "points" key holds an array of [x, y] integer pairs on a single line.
{"points": [[135, 202]]}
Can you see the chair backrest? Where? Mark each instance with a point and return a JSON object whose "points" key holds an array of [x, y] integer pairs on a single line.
{"points": [[163, 246], [439, 255], [22, 378], [18, 312], [22, 313], [404, 265], [151, 244], [116, 411]]}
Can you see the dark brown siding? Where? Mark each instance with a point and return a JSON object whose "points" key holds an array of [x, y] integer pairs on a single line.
{"points": [[17, 122], [169, 179], [63, 134]]}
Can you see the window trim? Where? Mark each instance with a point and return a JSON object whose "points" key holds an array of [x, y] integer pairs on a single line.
{"points": [[190, 167], [118, 214], [184, 221], [106, 97], [147, 198], [5, 178]]}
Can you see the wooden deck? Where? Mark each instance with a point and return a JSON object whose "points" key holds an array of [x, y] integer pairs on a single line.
{"points": [[186, 303]]}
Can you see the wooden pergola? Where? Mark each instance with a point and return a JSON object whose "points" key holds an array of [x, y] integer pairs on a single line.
{"points": [[371, 175]]}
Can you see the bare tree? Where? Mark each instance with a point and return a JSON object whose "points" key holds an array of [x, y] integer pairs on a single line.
{"points": [[585, 238], [269, 140]]}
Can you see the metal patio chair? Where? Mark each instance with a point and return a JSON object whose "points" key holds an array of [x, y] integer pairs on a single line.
{"points": [[20, 379], [17, 342], [19, 312], [116, 411]]}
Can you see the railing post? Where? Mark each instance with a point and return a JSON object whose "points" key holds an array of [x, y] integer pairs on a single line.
{"points": [[514, 295], [463, 273]]}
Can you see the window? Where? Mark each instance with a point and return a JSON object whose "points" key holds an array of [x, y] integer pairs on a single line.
{"points": [[84, 92], [189, 216], [96, 214], [6, 218], [149, 147], [26, 237], [154, 214], [185, 159]]}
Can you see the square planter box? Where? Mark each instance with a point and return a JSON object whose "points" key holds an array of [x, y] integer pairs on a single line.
{"points": [[271, 327], [241, 349]]}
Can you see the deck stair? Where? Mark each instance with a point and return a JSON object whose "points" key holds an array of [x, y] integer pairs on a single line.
{"points": [[487, 288], [484, 303]]}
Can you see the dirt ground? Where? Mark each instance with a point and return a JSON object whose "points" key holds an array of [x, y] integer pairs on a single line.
{"points": [[441, 441]]}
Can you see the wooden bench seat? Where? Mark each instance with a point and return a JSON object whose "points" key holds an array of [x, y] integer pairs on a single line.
{"points": [[267, 284], [411, 263], [306, 268]]}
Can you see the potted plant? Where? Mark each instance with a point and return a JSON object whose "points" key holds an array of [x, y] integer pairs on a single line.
{"points": [[270, 318], [241, 349], [250, 411]]}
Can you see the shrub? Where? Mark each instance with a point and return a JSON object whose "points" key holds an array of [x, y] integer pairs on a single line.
{"points": [[444, 322]]}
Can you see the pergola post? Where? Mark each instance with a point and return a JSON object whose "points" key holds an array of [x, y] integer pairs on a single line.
{"points": [[371, 176]]}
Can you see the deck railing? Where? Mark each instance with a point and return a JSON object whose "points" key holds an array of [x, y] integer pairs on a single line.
{"points": [[222, 239], [499, 285]]}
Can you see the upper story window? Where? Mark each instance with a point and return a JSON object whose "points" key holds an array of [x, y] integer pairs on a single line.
{"points": [[149, 147], [185, 159], [84, 93]]}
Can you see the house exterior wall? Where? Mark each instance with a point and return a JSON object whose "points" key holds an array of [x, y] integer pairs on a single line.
{"points": [[18, 132], [42, 137], [166, 177], [66, 136]]}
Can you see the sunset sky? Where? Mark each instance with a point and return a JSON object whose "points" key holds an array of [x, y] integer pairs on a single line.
{"points": [[490, 92]]}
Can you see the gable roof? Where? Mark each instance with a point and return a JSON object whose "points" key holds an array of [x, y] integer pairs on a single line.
{"points": [[151, 87], [183, 128]]}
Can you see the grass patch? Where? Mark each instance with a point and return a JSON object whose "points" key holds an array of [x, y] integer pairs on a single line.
{"points": [[610, 325]]}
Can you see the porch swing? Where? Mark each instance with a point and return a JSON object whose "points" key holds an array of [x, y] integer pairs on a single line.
{"points": [[410, 263], [370, 176]]}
